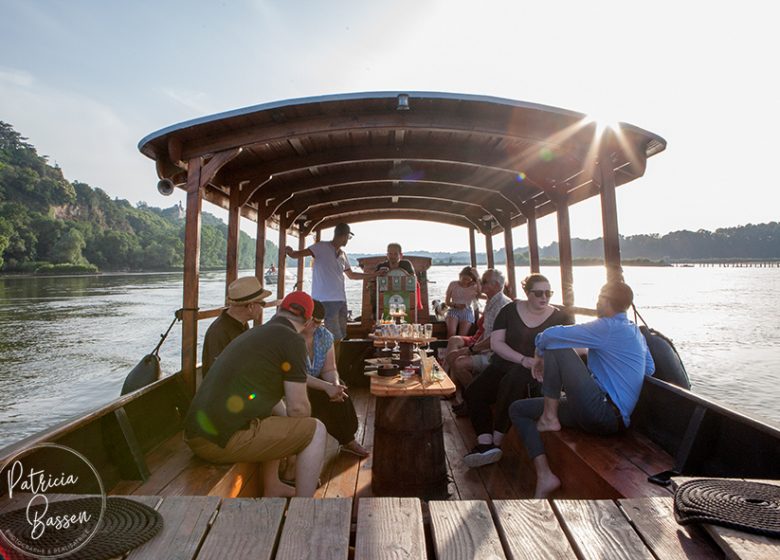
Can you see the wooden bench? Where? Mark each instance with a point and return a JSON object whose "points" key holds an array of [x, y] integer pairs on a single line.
{"points": [[176, 471], [600, 467]]}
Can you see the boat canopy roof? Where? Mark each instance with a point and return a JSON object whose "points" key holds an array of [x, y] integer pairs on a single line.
{"points": [[467, 160]]}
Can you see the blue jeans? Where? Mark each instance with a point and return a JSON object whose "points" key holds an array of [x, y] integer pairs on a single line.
{"points": [[336, 318], [584, 406]]}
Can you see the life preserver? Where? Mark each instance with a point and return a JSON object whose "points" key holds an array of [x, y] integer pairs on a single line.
{"points": [[145, 372], [668, 364]]}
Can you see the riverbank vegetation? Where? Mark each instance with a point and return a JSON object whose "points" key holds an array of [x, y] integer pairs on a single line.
{"points": [[51, 225]]}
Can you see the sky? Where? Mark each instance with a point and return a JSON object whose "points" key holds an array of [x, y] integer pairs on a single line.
{"points": [[85, 80]]}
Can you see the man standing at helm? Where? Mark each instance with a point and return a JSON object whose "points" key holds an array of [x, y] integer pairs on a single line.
{"points": [[330, 266]]}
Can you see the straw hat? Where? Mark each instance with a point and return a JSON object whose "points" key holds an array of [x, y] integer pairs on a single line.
{"points": [[246, 290]]}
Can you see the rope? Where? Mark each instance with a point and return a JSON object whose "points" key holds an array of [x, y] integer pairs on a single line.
{"points": [[126, 524], [176, 317], [747, 506]]}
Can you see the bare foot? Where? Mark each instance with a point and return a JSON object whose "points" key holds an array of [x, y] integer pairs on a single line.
{"points": [[548, 424], [279, 490], [356, 449], [546, 486]]}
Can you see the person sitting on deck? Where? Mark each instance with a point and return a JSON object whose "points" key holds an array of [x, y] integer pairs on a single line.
{"points": [[469, 356], [601, 396], [245, 303], [508, 377], [329, 399], [461, 295], [330, 265], [230, 418]]}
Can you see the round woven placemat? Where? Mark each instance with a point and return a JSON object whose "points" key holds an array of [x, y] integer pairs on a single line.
{"points": [[747, 506], [126, 524]]}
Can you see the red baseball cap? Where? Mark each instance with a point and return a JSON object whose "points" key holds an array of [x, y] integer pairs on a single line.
{"points": [[298, 303]]}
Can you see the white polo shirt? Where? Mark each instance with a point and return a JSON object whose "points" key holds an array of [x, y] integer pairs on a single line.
{"points": [[328, 274]]}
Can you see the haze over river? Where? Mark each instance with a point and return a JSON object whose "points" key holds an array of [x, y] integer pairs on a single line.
{"points": [[67, 343]]}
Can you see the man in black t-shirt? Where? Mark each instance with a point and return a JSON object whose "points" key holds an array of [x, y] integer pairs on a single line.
{"points": [[230, 419], [245, 303]]}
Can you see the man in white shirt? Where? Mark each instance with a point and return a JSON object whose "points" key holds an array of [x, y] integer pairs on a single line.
{"points": [[330, 266]]}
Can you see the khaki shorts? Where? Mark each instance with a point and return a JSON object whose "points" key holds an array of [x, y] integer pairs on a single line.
{"points": [[264, 440]]}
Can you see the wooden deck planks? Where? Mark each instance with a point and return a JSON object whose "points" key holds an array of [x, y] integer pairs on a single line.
{"points": [[390, 528], [316, 529], [244, 528], [186, 520], [598, 530], [464, 530], [654, 520], [530, 530], [466, 483]]}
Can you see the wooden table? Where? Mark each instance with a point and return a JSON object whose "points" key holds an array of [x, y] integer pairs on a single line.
{"points": [[201, 527], [405, 345], [409, 457]]}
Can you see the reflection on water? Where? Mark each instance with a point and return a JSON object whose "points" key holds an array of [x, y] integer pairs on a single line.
{"points": [[67, 343]]}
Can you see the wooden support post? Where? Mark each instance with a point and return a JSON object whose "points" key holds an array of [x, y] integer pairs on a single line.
{"points": [[489, 247], [198, 175], [318, 236], [609, 220], [509, 248], [529, 211], [282, 264], [473, 247], [564, 249], [189, 322], [234, 222], [301, 247], [260, 249]]}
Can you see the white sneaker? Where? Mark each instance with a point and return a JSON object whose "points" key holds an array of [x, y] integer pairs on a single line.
{"points": [[483, 455]]}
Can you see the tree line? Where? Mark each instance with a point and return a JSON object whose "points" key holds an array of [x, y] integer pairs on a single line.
{"points": [[48, 224]]}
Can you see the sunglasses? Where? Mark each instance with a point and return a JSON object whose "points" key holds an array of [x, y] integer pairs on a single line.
{"points": [[540, 293]]}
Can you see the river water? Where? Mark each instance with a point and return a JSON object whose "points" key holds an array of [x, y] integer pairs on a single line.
{"points": [[67, 343]]}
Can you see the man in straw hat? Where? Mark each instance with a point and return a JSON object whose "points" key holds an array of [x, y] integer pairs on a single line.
{"points": [[246, 300], [230, 419]]}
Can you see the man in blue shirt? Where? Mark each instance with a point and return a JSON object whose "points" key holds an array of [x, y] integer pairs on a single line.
{"points": [[601, 396]]}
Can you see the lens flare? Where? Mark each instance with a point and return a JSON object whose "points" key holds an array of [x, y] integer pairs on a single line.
{"points": [[205, 423], [520, 177], [546, 154], [252, 396], [235, 404], [286, 367]]}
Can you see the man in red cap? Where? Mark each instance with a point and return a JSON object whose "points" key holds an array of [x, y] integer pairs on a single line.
{"points": [[231, 416]]}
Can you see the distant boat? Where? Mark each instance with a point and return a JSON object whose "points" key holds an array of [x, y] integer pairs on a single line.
{"points": [[271, 276]]}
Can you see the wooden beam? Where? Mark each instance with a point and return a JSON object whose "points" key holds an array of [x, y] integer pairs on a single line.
{"points": [[390, 214], [564, 250], [473, 246], [609, 219], [282, 263], [509, 247], [216, 162], [489, 250], [189, 328], [301, 247], [533, 239], [260, 250], [234, 223]]}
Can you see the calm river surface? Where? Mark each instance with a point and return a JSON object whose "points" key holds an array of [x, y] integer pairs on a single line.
{"points": [[67, 343]]}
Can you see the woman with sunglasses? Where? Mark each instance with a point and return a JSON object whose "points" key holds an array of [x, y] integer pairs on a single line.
{"points": [[508, 376], [329, 400]]}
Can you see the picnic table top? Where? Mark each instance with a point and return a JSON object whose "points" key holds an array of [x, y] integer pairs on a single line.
{"points": [[412, 387]]}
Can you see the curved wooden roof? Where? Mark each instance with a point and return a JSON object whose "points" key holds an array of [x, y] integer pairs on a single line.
{"points": [[465, 160]]}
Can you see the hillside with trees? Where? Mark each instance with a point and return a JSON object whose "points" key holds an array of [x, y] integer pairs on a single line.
{"points": [[48, 224]]}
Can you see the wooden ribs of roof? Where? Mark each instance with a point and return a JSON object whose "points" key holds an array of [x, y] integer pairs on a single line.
{"points": [[490, 159]]}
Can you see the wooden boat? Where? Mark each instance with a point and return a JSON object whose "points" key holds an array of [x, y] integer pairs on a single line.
{"points": [[487, 165]]}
